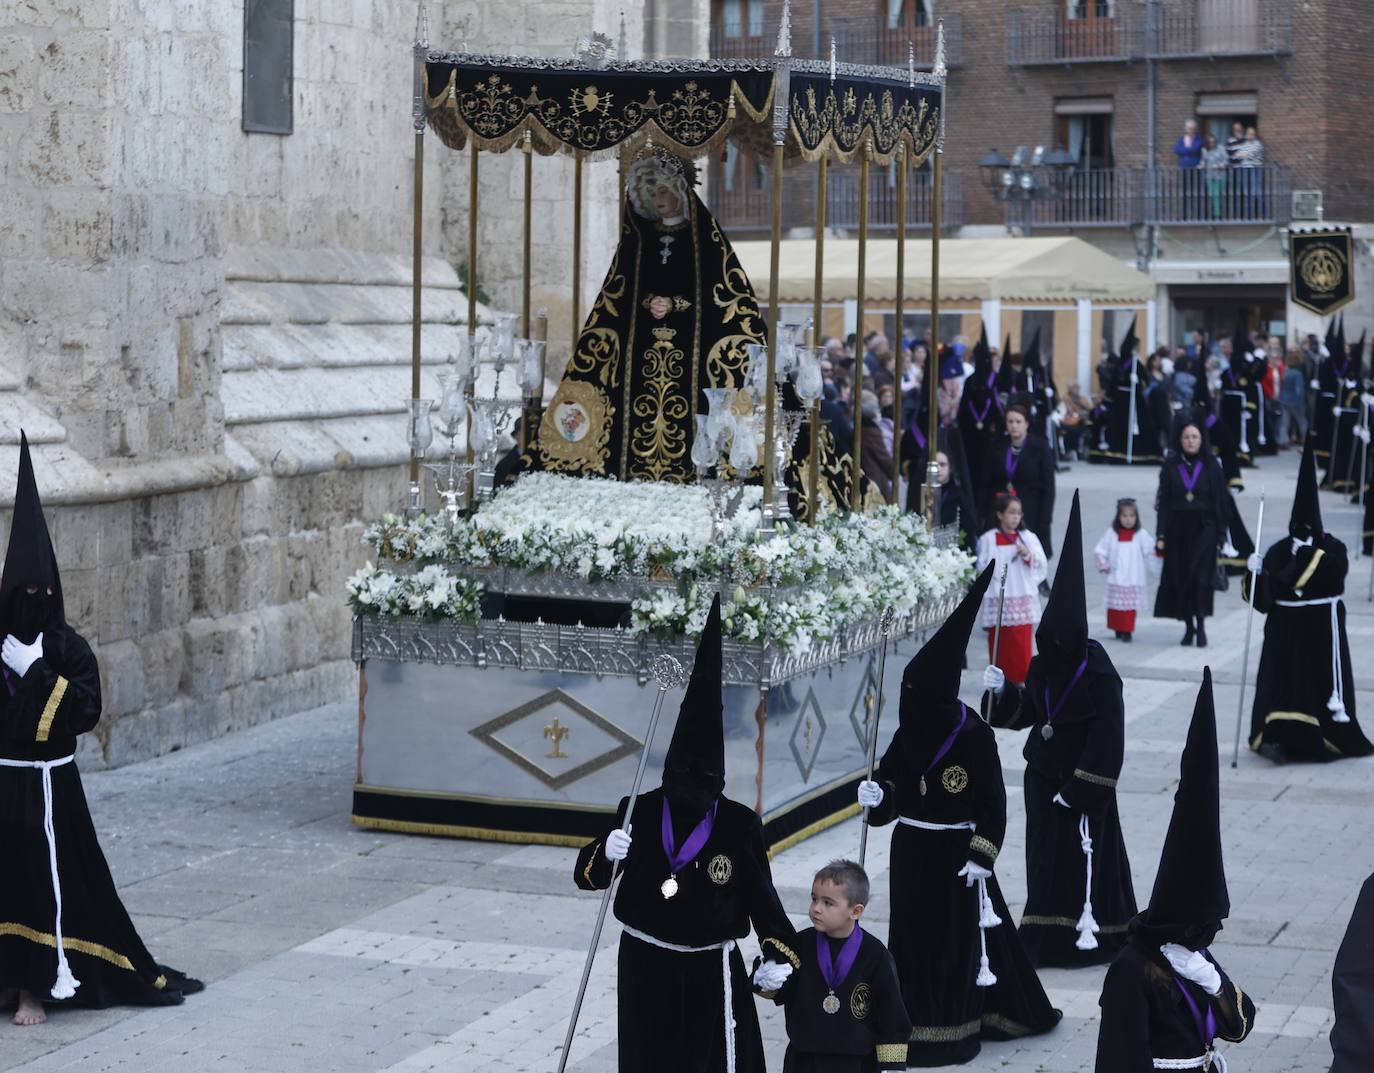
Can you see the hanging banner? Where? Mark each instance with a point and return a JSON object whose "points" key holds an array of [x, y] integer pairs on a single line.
{"points": [[1321, 269]]}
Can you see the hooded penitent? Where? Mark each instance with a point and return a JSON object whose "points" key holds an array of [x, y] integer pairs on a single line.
{"points": [[1062, 636], [1357, 359], [929, 707], [1190, 901], [694, 769], [1035, 368], [1129, 344], [30, 563], [1306, 519]]}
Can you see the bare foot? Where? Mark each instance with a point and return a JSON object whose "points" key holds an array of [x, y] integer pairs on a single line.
{"points": [[30, 1010]]}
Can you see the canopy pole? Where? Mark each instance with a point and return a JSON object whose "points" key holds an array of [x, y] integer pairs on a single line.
{"points": [[417, 117], [525, 314], [813, 467], [471, 476], [933, 351], [770, 398], [897, 342], [857, 376], [577, 250]]}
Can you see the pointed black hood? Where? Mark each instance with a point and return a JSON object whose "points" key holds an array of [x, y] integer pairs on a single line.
{"points": [[29, 560], [1342, 351], [1062, 636], [929, 704], [1357, 358], [694, 769], [982, 363], [1190, 900], [1129, 344], [1032, 359], [1306, 519]]}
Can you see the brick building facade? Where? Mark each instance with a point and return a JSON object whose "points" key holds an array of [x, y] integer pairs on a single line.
{"points": [[1076, 75]]}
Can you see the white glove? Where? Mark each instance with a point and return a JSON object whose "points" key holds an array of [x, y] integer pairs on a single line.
{"points": [[18, 656], [1192, 965], [1228, 549], [870, 794], [972, 871], [1362, 433], [1254, 563], [1059, 800], [618, 845], [994, 679], [770, 975]]}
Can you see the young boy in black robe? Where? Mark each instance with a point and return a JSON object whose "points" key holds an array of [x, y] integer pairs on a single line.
{"points": [[844, 1005], [1166, 1000], [64, 934], [1305, 689], [1352, 989], [964, 974], [1079, 898], [693, 878]]}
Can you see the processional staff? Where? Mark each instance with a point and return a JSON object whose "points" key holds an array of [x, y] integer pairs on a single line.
{"points": [[1249, 625], [885, 626]]}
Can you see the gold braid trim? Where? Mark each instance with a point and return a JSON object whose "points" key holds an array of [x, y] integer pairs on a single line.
{"points": [[944, 1033], [1095, 780], [159, 984], [50, 709], [1067, 922], [1311, 569], [1292, 717], [591, 861], [998, 1023], [1240, 1012], [984, 846], [886, 1053], [783, 949], [81, 946]]}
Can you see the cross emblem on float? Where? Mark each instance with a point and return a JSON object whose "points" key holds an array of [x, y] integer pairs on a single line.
{"points": [[556, 732]]}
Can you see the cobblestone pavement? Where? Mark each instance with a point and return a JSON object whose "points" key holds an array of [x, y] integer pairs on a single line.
{"points": [[335, 949]]}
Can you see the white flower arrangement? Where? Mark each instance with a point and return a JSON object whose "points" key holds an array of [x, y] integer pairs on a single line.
{"points": [[794, 587]]}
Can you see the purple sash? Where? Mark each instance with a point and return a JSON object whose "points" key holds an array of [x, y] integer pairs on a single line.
{"points": [[987, 408], [949, 741], [1190, 480], [680, 858], [1206, 1026], [1010, 463], [1051, 712], [834, 972], [918, 435]]}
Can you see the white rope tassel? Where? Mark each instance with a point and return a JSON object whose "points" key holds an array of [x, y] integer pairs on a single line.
{"points": [[65, 984], [1336, 702], [729, 1008], [1087, 926], [987, 918]]}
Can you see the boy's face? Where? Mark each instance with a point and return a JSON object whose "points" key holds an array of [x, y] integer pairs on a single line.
{"points": [[831, 910]]}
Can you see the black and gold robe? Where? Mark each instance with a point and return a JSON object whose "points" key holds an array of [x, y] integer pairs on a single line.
{"points": [[672, 1003]]}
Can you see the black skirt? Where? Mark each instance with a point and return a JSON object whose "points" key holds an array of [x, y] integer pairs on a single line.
{"points": [[1056, 880], [104, 951], [1190, 566]]}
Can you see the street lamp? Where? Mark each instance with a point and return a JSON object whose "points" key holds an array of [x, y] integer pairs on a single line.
{"points": [[1030, 175]]}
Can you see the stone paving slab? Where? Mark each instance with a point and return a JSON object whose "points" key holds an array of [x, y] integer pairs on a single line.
{"points": [[330, 949]]}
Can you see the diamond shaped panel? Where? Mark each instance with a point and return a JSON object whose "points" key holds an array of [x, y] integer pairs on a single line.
{"points": [[807, 735], [549, 736]]}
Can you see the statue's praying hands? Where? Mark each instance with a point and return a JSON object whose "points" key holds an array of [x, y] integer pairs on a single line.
{"points": [[660, 306]]}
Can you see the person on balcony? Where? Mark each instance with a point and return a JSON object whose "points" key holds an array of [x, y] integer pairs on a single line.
{"points": [[1188, 149], [1249, 162], [1214, 164]]}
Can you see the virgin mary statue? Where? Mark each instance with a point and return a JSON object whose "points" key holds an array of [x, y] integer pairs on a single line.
{"points": [[673, 318]]}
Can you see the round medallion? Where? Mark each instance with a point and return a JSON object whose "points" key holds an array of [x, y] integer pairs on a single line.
{"points": [[720, 869], [861, 1001], [830, 1004], [980, 426], [954, 779], [669, 887], [1047, 732], [1189, 497]]}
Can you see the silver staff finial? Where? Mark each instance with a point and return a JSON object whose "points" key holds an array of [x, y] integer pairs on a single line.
{"points": [[939, 69], [832, 57], [785, 31], [667, 671], [622, 51], [421, 27], [911, 64]]}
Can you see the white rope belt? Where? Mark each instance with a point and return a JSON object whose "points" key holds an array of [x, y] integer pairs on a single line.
{"points": [[728, 990], [1087, 925], [1212, 1059], [987, 915], [66, 984], [1335, 704]]}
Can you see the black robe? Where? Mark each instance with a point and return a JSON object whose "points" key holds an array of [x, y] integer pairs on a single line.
{"points": [[1193, 532], [1145, 1015], [1235, 410], [1081, 762], [1262, 441], [41, 716], [1033, 483], [1112, 424], [1331, 376], [1352, 989], [869, 1031], [1343, 466], [980, 423], [934, 934], [1295, 681], [671, 1003]]}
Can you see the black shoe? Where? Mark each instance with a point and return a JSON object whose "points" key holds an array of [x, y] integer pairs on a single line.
{"points": [[1201, 635], [1187, 635], [1126, 637], [1273, 751]]}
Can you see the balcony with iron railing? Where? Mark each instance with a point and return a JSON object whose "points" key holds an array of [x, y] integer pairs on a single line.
{"points": [[1124, 197], [744, 207], [1103, 32], [865, 41]]}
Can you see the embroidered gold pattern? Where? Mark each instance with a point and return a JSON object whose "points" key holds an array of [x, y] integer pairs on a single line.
{"points": [[979, 844], [890, 1053], [662, 441], [1067, 922], [59, 690], [1005, 1024], [943, 1033], [720, 869], [575, 431], [954, 779], [861, 1001], [783, 949], [81, 946], [591, 863], [1095, 780]]}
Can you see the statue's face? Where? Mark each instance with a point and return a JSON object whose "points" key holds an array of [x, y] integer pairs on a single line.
{"points": [[665, 200]]}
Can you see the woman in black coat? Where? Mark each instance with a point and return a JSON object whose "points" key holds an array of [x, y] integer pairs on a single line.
{"points": [[1192, 505], [1022, 465]]}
